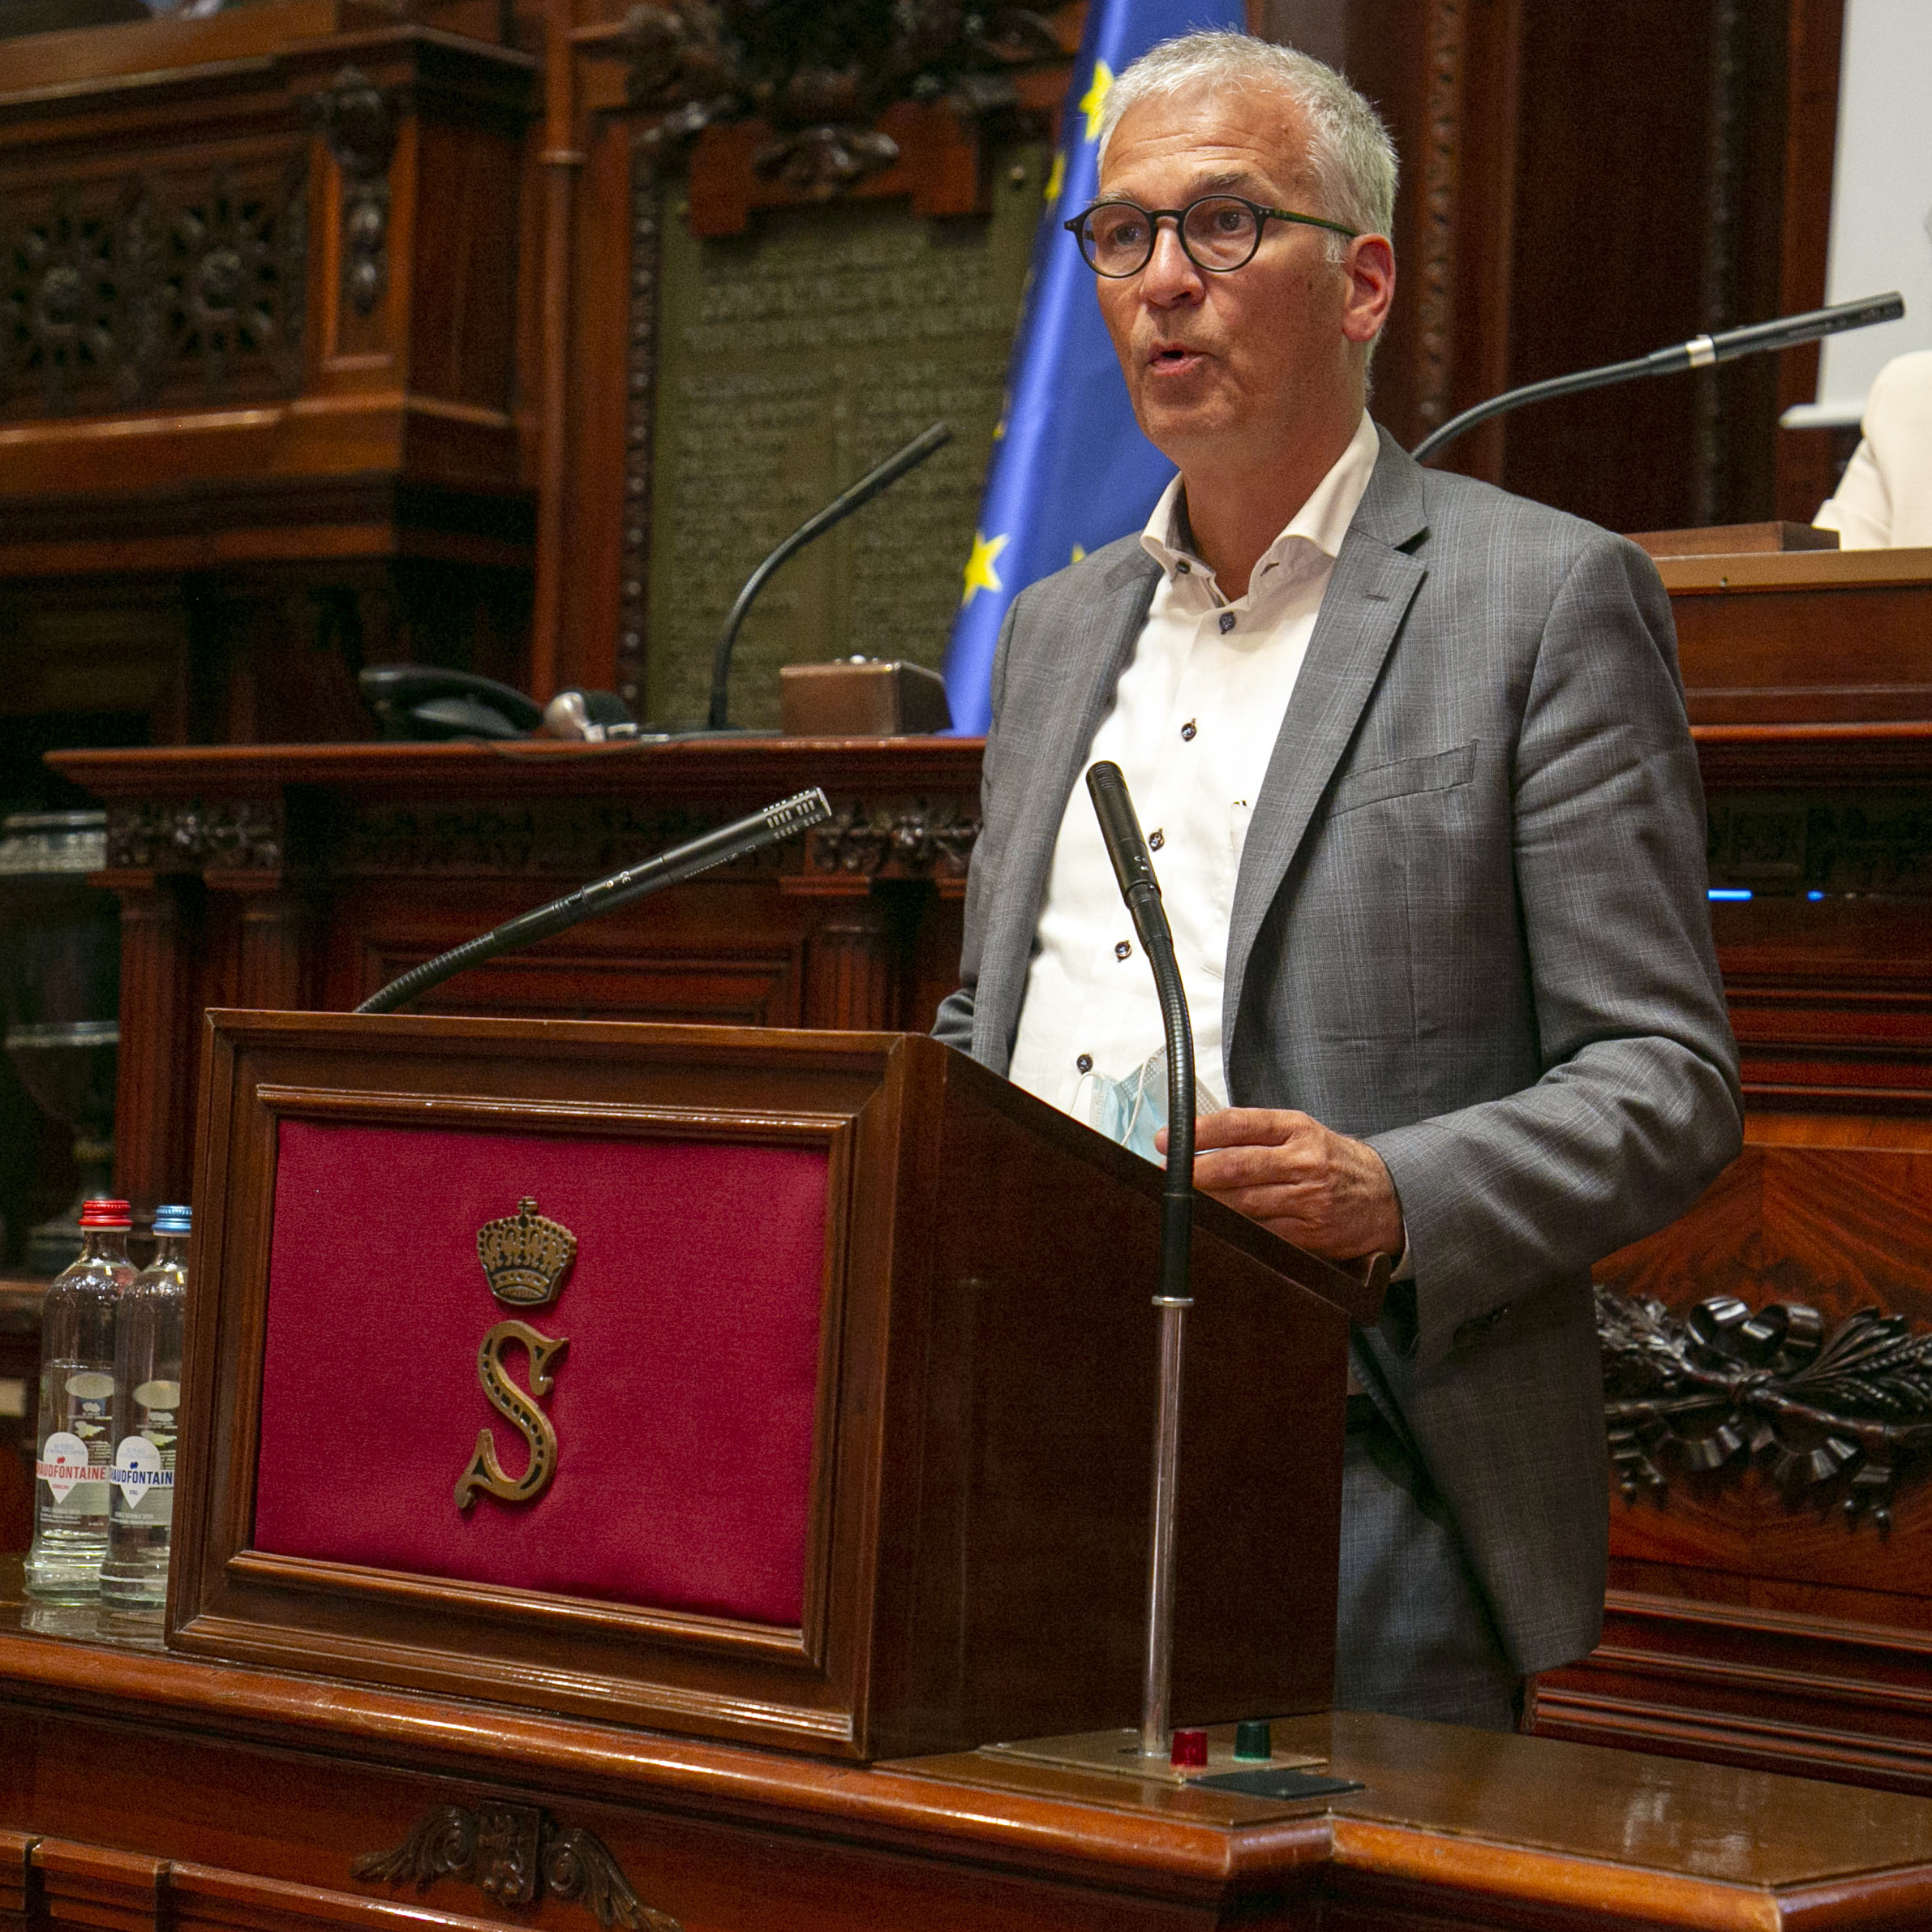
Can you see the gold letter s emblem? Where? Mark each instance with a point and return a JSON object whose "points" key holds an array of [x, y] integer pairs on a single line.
{"points": [[485, 1472]]}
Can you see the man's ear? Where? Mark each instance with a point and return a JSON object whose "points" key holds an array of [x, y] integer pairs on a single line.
{"points": [[1369, 264]]}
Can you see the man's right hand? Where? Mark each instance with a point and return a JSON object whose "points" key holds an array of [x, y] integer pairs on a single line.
{"points": [[1320, 1189]]}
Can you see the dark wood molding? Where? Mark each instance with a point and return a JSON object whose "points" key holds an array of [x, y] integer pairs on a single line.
{"points": [[1775, 757], [1828, 1697]]}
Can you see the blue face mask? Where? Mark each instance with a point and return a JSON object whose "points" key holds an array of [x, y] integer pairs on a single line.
{"points": [[1133, 1110]]}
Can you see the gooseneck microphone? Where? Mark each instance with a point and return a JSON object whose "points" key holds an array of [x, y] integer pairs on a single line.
{"points": [[1700, 352], [776, 822], [1134, 868], [841, 507]]}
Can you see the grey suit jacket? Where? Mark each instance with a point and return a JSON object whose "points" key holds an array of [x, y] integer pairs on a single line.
{"points": [[1470, 926]]}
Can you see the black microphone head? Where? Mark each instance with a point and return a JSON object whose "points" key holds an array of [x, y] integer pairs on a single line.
{"points": [[798, 814], [1119, 828]]}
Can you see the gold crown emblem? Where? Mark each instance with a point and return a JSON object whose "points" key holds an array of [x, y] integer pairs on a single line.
{"points": [[526, 1254]]}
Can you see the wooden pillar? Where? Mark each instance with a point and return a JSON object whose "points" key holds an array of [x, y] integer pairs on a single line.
{"points": [[278, 965], [851, 965], [160, 1008]]}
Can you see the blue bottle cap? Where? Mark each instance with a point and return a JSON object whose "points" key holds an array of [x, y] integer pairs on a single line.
{"points": [[176, 1220]]}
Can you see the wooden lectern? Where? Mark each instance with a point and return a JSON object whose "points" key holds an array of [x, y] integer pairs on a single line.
{"points": [[849, 1377]]}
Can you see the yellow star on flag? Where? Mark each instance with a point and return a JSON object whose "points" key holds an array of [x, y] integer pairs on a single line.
{"points": [[1079, 550], [1096, 98], [980, 574], [1056, 178]]}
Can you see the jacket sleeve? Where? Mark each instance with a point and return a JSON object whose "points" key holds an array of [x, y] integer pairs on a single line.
{"points": [[954, 1025], [1637, 1107]]}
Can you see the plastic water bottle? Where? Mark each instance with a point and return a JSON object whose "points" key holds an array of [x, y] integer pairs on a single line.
{"points": [[148, 1411], [76, 1430]]}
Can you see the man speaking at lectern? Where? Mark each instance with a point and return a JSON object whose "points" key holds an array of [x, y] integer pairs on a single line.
{"points": [[1413, 758]]}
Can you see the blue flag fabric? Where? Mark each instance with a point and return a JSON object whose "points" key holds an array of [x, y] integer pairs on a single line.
{"points": [[1071, 470]]}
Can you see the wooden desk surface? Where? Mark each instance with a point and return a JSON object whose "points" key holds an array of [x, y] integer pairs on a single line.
{"points": [[283, 1779], [1815, 570]]}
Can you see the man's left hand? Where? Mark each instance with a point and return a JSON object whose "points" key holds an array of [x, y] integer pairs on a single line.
{"points": [[1320, 1189]]}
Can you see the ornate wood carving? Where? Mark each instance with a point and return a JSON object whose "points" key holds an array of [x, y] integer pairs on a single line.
{"points": [[821, 76], [1844, 1416], [894, 839], [117, 294], [243, 833], [515, 1854], [357, 120]]}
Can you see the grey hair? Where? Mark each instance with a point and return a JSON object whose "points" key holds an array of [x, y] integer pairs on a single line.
{"points": [[1348, 148]]}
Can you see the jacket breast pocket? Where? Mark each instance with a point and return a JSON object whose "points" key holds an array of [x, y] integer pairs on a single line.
{"points": [[1433, 772]]}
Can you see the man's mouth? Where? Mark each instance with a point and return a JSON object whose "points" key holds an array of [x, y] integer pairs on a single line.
{"points": [[1171, 356]]}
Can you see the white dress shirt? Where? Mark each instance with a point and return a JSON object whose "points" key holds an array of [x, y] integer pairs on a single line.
{"points": [[1193, 725], [1884, 499]]}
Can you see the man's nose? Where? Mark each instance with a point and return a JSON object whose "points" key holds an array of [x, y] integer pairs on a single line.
{"points": [[1170, 275]]}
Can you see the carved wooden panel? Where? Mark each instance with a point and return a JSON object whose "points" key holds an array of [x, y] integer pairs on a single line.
{"points": [[1771, 1518], [176, 285], [1822, 1219]]}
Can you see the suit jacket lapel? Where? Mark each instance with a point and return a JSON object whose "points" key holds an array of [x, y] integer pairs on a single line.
{"points": [[1368, 598], [1097, 641]]}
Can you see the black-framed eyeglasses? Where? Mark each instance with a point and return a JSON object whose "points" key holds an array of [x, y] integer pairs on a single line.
{"points": [[1218, 233]]}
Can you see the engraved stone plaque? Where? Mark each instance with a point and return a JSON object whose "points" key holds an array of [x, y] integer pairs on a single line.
{"points": [[793, 359]]}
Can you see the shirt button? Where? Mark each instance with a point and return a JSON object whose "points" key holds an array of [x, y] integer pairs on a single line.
{"points": [[1121, 951], [1156, 840], [1188, 732], [1227, 622], [1085, 1063]]}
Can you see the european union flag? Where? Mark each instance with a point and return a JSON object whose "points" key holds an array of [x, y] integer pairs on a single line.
{"points": [[1071, 470]]}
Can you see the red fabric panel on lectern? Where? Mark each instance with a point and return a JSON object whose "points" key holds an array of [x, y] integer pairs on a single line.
{"points": [[683, 1406]]}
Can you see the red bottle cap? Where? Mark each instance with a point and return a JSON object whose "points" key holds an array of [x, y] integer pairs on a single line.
{"points": [[105, 1214], [1190, 1750]]}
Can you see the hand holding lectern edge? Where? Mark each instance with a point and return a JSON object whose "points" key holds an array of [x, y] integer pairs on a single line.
{"points": [[853, 1430]]}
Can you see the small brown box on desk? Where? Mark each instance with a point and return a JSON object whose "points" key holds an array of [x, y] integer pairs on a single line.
{"points": [[793, 1387], [861, 697]]}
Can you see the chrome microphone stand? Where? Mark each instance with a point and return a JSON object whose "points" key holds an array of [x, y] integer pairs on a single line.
{"points": [[1133, 867]]}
